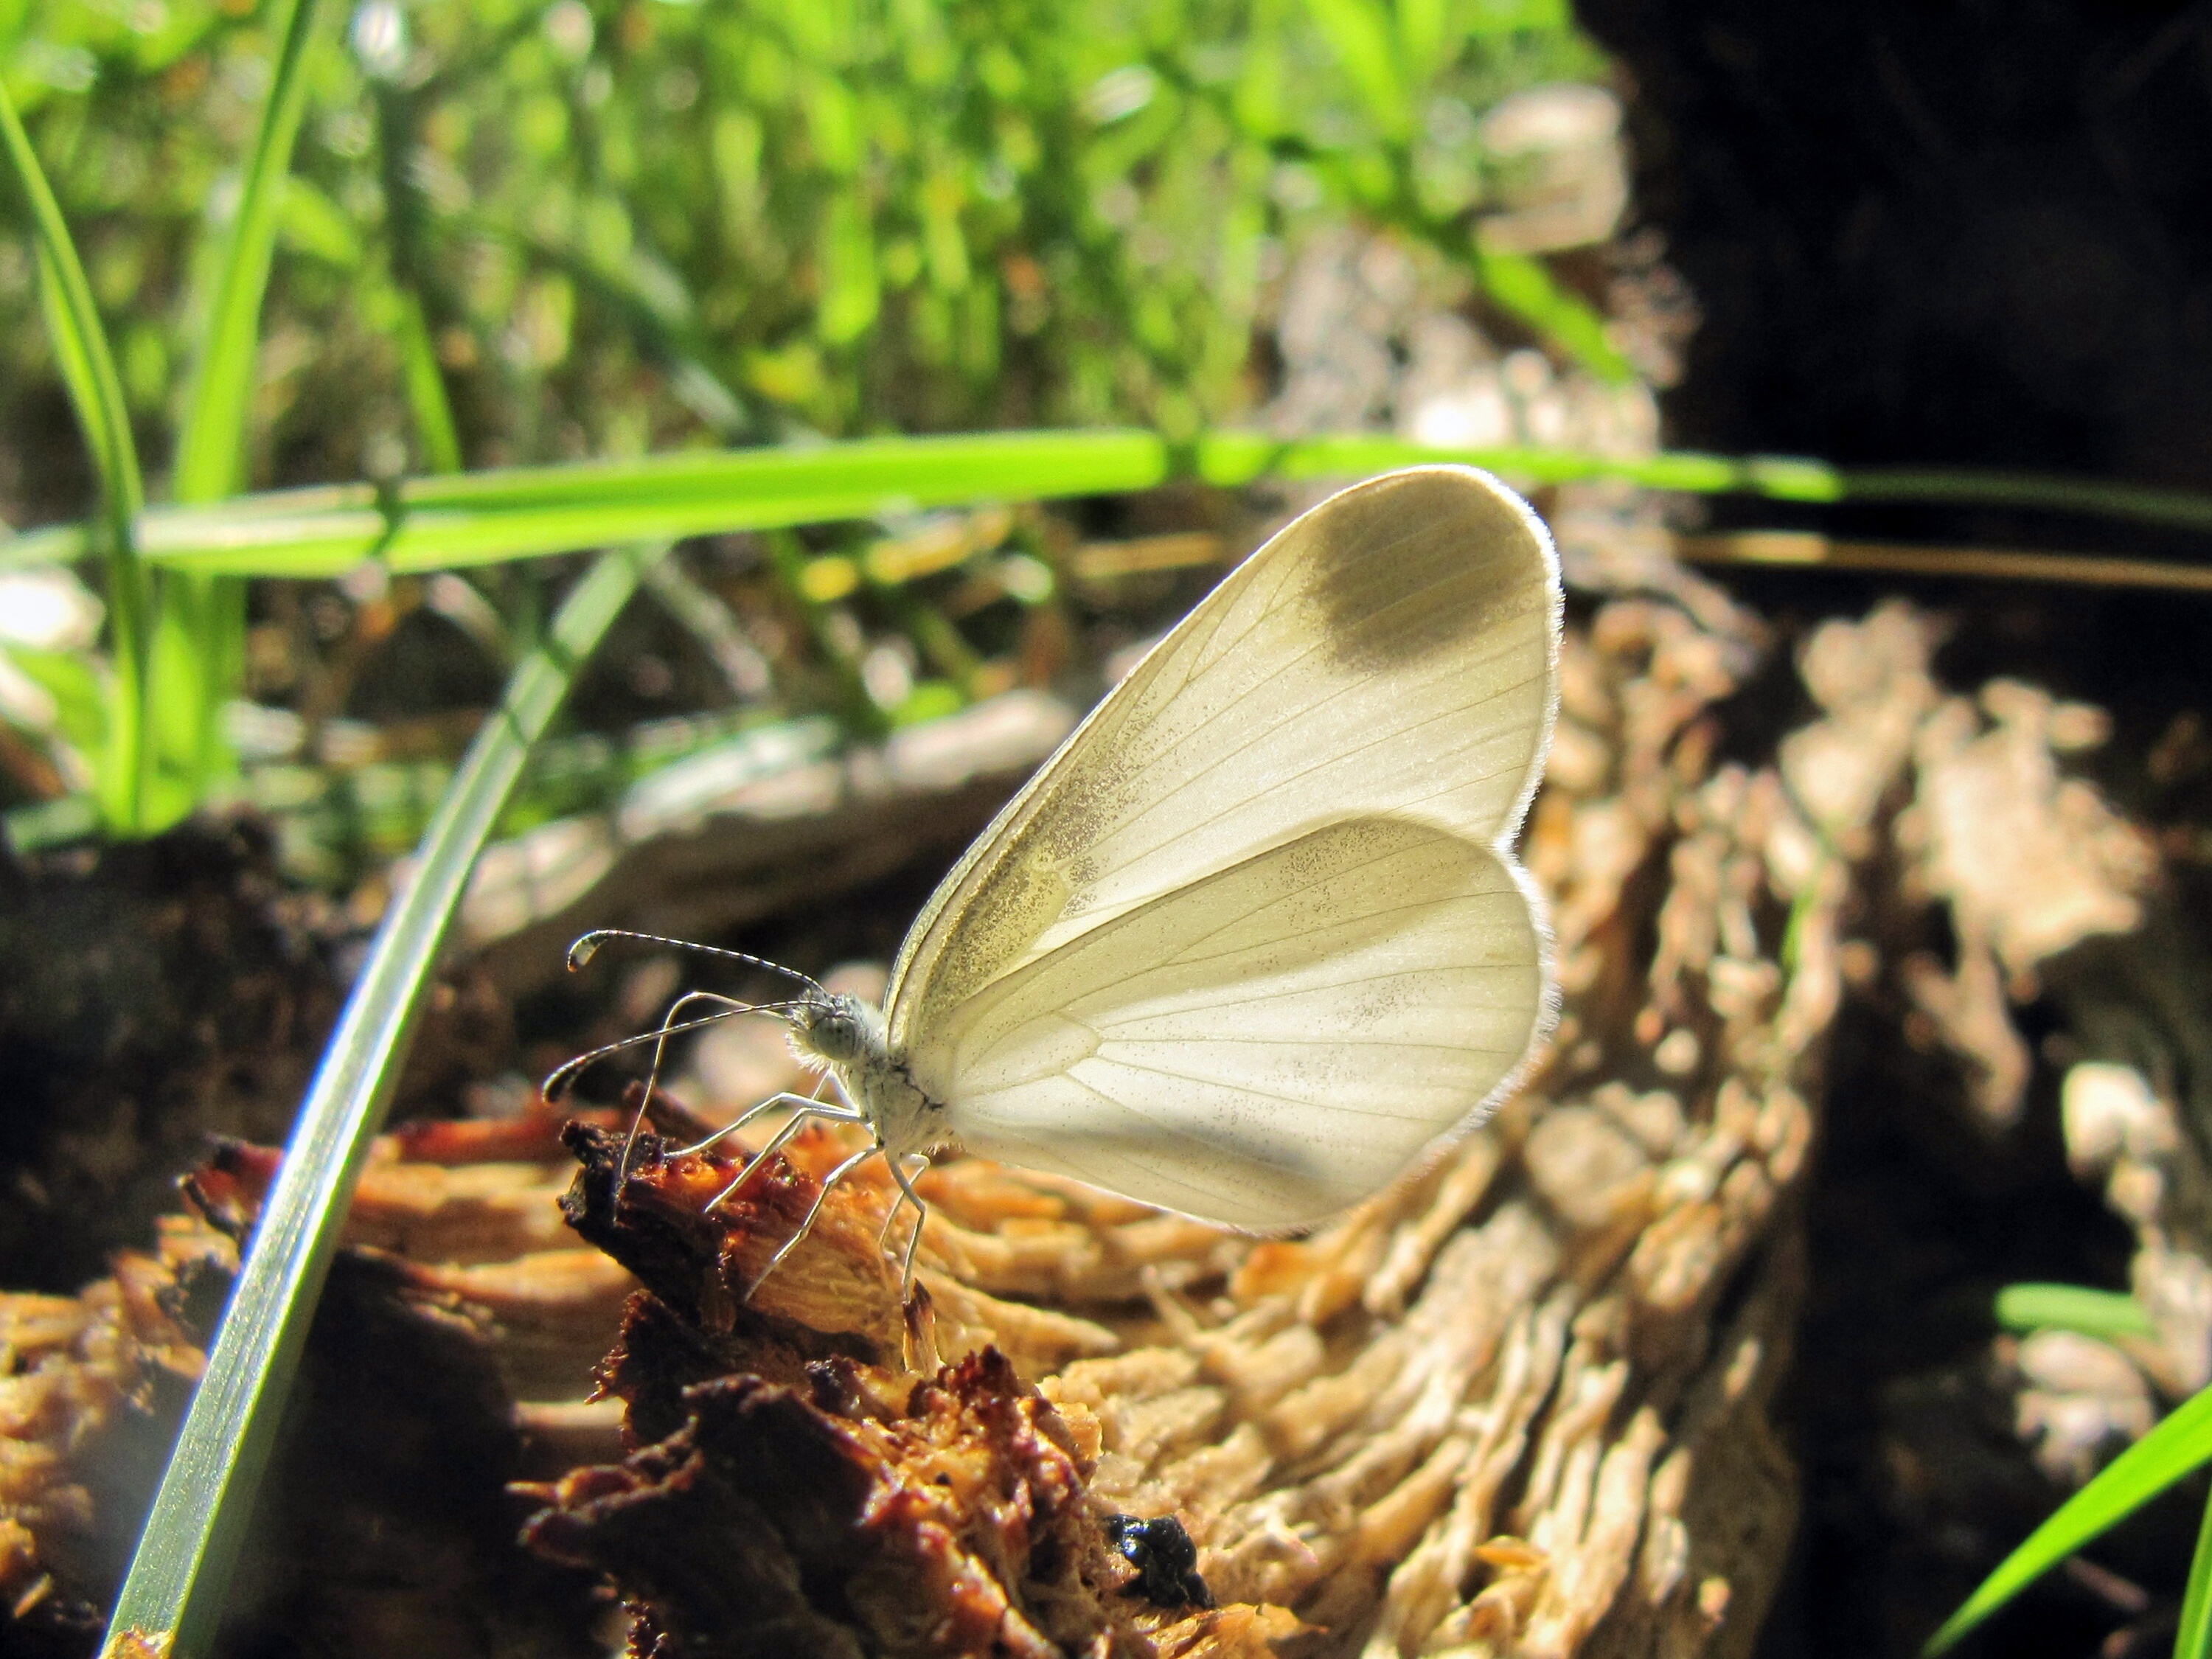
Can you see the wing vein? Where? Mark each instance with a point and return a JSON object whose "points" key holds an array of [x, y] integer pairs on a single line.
{"points": [[1160, 799], [1302, 1100]]}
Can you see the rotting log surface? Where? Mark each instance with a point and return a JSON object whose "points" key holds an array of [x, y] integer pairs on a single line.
{"points": [[1519, 1403], [385, 1526]]}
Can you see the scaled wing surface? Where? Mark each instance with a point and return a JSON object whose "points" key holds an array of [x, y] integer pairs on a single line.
{"points": [[1255, 935]]}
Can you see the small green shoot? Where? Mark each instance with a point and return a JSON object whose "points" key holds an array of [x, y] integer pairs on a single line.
{"points": [[2105, 1315], [2177, 1448]]}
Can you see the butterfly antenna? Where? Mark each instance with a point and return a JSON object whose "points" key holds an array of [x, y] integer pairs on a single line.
{"points": [[556, 1084], [588, 946], [671, 1025], [557, 1081]]}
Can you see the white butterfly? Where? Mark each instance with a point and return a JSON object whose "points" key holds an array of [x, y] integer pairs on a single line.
{"points": [[1254, 939]]}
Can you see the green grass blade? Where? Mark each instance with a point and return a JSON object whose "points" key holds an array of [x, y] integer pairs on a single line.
{"points": [[1238, 457], [448, 521], [1523, 286], [221, 391], [427, 403], [648, 296], [2101, 1313], [479, 518], [198, 653], [173, 1597], [2099, 497], [1426, 38], [1359, 35], [2177, 1446], [80, 344], [2193, 1639], [95, 391], [199, 635]]}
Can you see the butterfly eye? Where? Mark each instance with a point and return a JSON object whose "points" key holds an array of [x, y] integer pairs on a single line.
{"points": [[833, 1030]]}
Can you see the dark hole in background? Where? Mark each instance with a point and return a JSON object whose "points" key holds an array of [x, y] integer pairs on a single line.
{"points": [[1917, 1218]]}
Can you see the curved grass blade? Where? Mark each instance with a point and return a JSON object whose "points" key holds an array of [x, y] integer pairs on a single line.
{"points": [[1359, 35], [448, 521], [432, 413], [95, 391], [172, 1600], [1804, 550], [2101, 1313], [1522, 285], [2193, 1639], [652, 303], [199, 643], [2177, 1446]]}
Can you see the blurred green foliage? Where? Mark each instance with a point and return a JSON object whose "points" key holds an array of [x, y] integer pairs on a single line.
{"points": [[533, 232]]}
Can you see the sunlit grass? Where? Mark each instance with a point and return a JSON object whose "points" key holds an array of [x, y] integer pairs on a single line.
{"points": [[88, 370], [2175, 1449]]}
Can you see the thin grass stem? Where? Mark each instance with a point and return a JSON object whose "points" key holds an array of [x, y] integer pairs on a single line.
{"points": [[87, 369], [198, 655], [490, 516]]}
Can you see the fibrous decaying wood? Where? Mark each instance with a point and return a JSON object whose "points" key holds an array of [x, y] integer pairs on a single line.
{"points": [[95, 1387], [798, 1498], [808, 1433], [386, 1523], [1520, 1403], [2047, 894]]}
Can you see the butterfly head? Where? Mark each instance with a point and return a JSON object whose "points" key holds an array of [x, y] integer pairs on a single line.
{"points": [[839, 1028]]}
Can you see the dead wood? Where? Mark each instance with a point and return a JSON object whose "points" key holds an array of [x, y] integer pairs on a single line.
{"points": [[1520, 1403]]}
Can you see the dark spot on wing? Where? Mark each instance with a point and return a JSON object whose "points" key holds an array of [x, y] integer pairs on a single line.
{"points": [[1415, 564]]}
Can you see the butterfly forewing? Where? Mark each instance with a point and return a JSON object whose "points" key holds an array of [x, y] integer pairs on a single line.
{"points": [[1391, 654]]}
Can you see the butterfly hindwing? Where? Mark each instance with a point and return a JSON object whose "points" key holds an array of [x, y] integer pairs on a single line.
{"points": [[1267, 1045]]}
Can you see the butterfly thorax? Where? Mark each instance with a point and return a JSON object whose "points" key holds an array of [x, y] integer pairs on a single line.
{"points": [[848, 1037]]}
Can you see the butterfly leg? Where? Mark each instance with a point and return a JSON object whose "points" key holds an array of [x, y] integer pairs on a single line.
{"points": [[920, 1215], [898, 1203], [782, 1138], [806, 1225], [670, 1023], [807, 1105]]}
